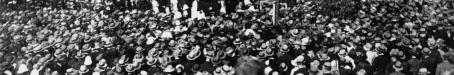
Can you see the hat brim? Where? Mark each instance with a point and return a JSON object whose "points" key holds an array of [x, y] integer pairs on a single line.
{"points": [[193, 57], [84, 71], [150, 60]]}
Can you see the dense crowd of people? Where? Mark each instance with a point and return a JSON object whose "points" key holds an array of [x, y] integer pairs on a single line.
{"points": [[190, 37]]}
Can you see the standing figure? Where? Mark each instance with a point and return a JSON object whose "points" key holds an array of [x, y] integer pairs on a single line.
{"points": [[155, 6]]}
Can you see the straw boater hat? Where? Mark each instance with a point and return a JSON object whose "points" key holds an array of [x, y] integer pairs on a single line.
{"points": [[262, 54], [237, 41], [269, 52], [262, 47], [86, 47], [130, 68], [80, 55], [138, 58], [284, 48], [195, 53], [58, 53], [87, 39], [139, 49], [218, 71]]}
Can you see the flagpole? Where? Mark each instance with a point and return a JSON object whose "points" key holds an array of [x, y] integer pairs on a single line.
{"points": [[276, 11]]}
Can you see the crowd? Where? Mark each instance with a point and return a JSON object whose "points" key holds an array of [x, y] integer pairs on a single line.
{"points": [[401, 37]]}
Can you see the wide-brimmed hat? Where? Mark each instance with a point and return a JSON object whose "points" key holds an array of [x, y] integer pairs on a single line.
{"points": [[139, 49], [284, 48], [218, 71], [138, 58], [74, 37], [153, 52], [195, 53], [229, 51], [101, 65], [80, 55], [262, 54], [130, 68], [269, 52], [58, 53], [283, 66], [294, 32]]}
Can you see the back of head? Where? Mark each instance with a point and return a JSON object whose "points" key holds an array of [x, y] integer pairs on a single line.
{"points": [[248, 65]]}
